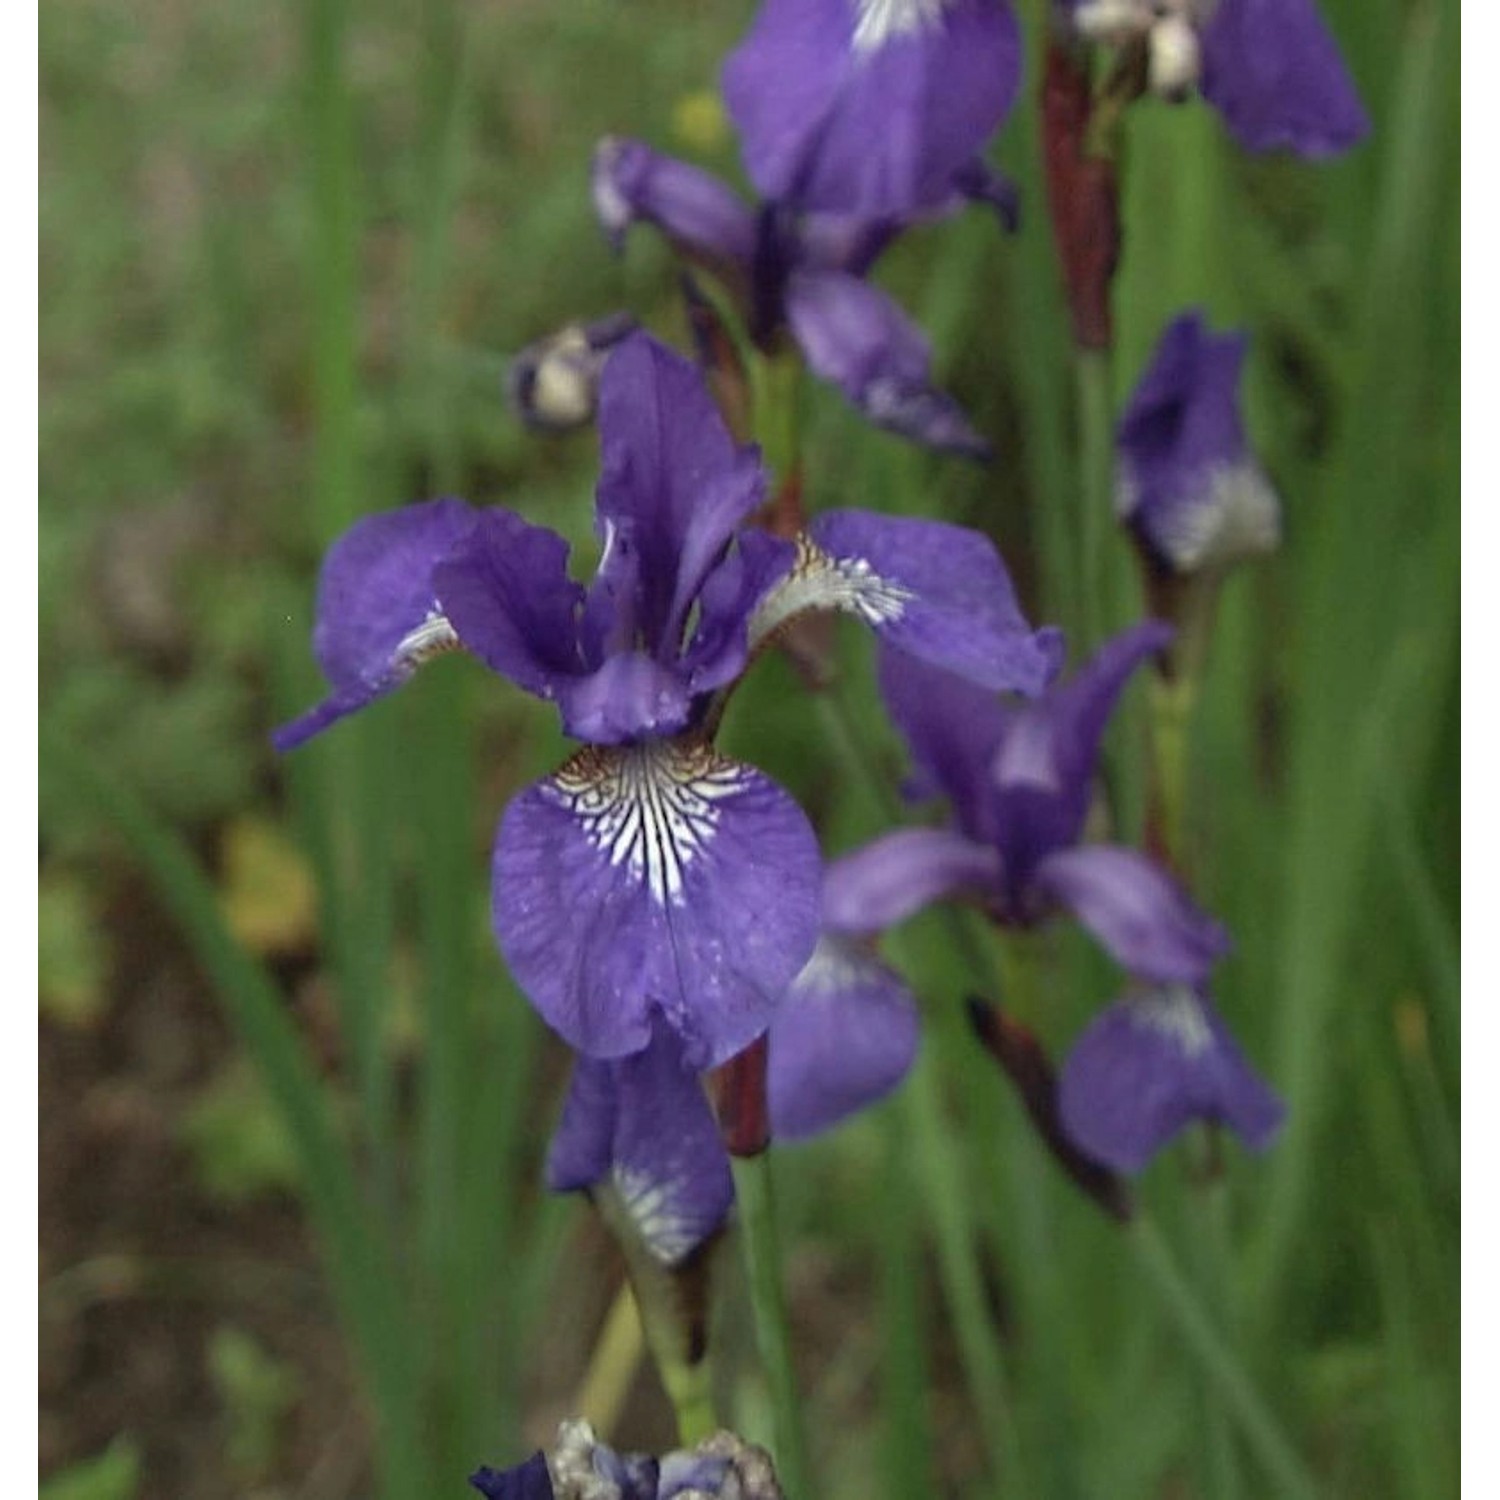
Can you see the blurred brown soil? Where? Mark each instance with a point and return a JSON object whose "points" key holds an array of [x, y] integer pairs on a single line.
{"points": [[140, 1265]]}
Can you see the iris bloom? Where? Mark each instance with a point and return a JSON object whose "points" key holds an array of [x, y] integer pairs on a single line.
{"points": [[805, 274], [1189, 487], [869, 107], [580, 1467], [650, 879], [1153, 1063], [1269, 67], [1020, 778]]}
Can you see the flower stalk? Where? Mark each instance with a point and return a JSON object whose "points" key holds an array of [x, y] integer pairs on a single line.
{"points": [[761, 1244]]}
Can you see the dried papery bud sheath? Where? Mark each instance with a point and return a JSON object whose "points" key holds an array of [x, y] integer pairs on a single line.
{"points": [[1023, 1060], [739, 1095], [1083, 194], [553, 384]]}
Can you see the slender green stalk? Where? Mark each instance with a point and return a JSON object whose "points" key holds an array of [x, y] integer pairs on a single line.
{"points": [[1217, 1360], [612, 1365], [759, 1237]]}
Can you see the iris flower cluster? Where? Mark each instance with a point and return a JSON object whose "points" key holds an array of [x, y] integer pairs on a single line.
{"points": [[663, 905]]}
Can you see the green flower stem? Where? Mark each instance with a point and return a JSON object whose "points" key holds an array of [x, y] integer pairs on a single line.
{"points": [[762, 1249], [612, 1365]]}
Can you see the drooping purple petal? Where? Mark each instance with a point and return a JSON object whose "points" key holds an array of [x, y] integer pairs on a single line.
{"points": [[378, 616], [672, 481], [656, 878], [702, 216], [528, 1481], [1151, 1064], [893, 877], [507, 592], [853, 335], [935, 591], [1273, 71], [870, 106], [952, 729], [1137, 911], [644, 1123], [1188, 485], [845, 1037]]}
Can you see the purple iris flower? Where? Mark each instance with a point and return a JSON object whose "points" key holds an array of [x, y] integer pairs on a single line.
{"points": [[1020, 779], [1269, 67], [650, 877], [804, 274], [1189, 487], [580, 1467], [870, 106], [1153, 1063]]}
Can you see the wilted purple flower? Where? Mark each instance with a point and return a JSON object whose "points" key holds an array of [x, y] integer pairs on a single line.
{"points": [[1269, 67], [870, 106], [650, 876], [553, 384], [1153, 1063], [641, 1126], [803, 274], [580, 1467], [1020, 780], [1189, 487]]}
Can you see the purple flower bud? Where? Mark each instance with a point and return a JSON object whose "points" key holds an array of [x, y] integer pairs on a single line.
{"points": [[1189, 488]]}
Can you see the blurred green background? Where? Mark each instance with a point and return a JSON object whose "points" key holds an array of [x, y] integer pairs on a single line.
{"points": [[292, 1239]]}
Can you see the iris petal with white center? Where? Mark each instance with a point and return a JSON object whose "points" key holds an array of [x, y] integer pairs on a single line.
{"points": [[658, 879], [1150, 1065], [641, 1126], [937, 591]]}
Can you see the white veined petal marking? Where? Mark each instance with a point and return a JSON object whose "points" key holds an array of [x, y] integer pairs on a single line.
{"points": [[878, 21], [1178, 1013], [820, 581], [433, 637], [652, 808], [651, 1202]]}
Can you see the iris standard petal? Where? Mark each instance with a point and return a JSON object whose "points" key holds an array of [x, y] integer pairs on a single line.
{"points": [[870, 106], [672, 480], [1137, 911], [507, 591], [1151, 1064], [853, 335], [643, 1123], [1051, 746], [378, 616], [846, 1036], [1272, 69], [892, 878], [952, 729], [656, 878], [1188, 485], [702, 216]]}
